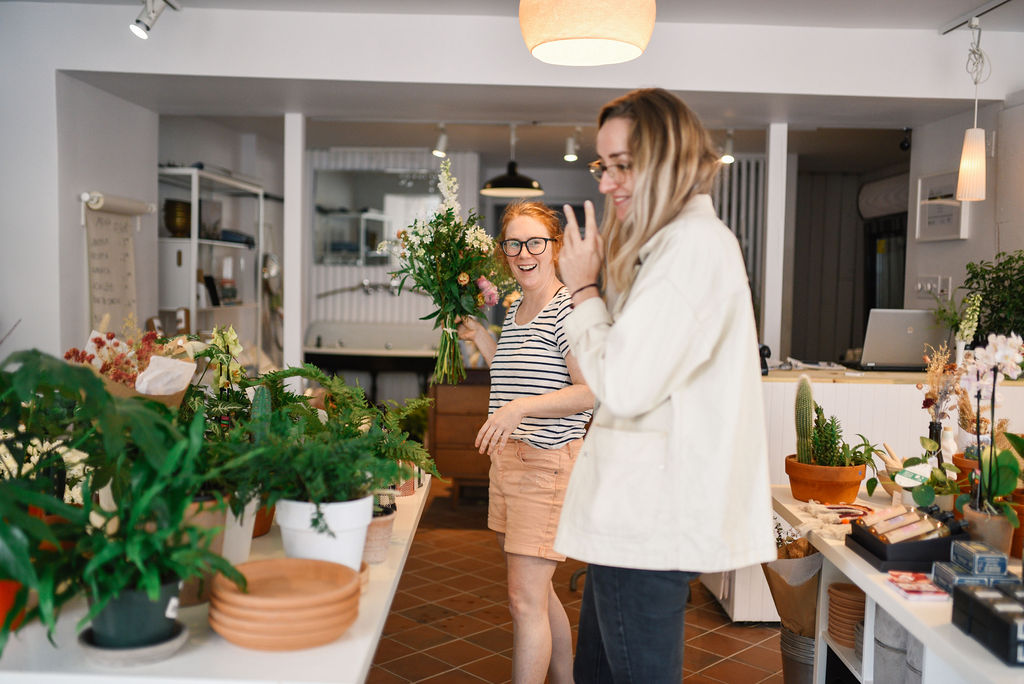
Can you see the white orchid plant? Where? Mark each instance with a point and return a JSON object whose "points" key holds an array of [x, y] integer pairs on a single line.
{"points": [[998, 472]]}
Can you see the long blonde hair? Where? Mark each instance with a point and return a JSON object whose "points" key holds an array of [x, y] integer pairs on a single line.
{"points": [[673, 159]]}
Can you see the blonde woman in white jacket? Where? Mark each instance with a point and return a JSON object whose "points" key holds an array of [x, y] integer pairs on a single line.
{"points": [[672, 479]]}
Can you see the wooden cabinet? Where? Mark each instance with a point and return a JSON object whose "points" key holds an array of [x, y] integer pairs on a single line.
{"points": [[456, 415]]}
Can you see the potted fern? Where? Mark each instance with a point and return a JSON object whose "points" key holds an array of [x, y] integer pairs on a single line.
{"points": [[825, 468], [321, 470]]}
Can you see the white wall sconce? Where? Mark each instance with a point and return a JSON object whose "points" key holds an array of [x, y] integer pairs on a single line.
{"points": [[151, 11], [586, 32], [970, 184], [441, 148]]}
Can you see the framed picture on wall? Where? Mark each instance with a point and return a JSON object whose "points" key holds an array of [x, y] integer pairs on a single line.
{"points": [[940, 216]]}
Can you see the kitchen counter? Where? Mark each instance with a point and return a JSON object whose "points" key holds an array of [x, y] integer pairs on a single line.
{"points": [[207, 658]]}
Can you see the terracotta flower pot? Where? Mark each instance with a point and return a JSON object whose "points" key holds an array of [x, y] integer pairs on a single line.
{"points": [[8, 588], [824, 484], [264, 520], [1017, 540], [203, 514], [994, 530], [966, 466]]}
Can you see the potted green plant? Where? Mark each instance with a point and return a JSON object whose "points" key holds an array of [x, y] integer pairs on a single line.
{"points": [[998, 289], [826, 468], [990, 517], [940, 486], [141, 542], [321, 472]]}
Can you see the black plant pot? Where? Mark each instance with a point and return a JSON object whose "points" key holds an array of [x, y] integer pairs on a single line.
{"points": [[133, 619]]}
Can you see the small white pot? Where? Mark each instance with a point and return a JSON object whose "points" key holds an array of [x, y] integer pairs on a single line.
{"points": [[238, 533], [347, 520]]}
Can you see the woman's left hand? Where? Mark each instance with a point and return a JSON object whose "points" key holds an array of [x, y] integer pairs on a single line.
{"points": [[493, 436], [579, 261]]}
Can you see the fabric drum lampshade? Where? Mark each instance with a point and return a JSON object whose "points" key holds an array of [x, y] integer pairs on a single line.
{"points": [[586, 33]]}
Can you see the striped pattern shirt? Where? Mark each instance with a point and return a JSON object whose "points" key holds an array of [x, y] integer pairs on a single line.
{"points": [[530, 360]]}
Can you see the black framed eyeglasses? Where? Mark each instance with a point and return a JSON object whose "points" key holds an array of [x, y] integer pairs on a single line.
{"points": [[534, 246], [617, 172]]}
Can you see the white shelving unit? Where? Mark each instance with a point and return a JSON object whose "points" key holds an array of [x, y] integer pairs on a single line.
{"points": [[181, 258], [950, 656]]}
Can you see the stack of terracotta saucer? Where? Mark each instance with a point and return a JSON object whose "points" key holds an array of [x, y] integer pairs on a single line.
{"points": [[290, 603], [845, 610]]}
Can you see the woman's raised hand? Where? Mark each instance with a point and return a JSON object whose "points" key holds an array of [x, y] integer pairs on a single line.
{"points": [[579, 261], [468, 327]]}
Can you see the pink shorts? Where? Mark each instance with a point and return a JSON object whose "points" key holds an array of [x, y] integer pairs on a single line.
{"points": [[526, 494]]}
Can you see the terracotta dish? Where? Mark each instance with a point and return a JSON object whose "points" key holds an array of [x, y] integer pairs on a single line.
{"points": [[282, 641], [288, 584]]}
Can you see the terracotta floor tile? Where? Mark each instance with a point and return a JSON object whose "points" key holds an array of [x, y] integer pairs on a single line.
{"points": [[379, 675], [464, 602], [469, 564], [706, 619], [730, 670], [701, 678], [494, 613], [458, 652], [469, 582], [761, 657], [497, 639], [410, 581], [404, 600], [397, 623], [462, 625], [417, 666], [427, 613], [453, 677], [389, 649], [751, 632], [773, 679], [696, 659], [497, 592], [719, 644], [422, 637], [438, 573], [434, 591], [495, 668], [691, 631]]}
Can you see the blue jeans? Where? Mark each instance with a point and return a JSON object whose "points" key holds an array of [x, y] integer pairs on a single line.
{"points": [[631, 626]]}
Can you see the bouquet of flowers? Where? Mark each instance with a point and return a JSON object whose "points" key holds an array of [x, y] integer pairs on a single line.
{"points": [[453, 261]]}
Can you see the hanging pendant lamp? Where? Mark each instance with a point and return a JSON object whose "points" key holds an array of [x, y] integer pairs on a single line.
{"points": [[512, 183], [586, 32], [970, 183]]}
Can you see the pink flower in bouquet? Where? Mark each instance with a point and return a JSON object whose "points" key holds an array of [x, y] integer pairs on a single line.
{"points": [[489, 291], [463, 278]]}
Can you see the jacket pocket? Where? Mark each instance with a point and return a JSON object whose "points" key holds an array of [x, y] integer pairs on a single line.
{"points": [[627, 476]]}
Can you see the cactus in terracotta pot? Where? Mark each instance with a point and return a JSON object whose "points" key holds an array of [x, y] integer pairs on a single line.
{"points": [[804, 411]]}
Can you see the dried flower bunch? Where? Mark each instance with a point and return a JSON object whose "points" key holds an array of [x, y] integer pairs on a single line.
{"points": [[455, 262], [941, 387], [969, 319], [121, 361]]}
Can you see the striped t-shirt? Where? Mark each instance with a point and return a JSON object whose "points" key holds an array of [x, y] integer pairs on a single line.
{"points": [[530, 360]]}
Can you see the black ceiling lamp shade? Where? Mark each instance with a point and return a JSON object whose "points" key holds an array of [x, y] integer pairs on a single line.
{"points": [[512, 183]]}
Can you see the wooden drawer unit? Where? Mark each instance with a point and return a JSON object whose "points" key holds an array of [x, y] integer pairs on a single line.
{"points": [[456, 415]]}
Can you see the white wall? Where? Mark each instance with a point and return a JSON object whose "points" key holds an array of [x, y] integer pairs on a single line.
{"points": [[107, 145], [936, 150], [1009, 168]]}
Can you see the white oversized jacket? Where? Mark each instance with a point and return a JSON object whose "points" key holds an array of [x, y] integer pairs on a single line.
{"points": [[673, 474]]}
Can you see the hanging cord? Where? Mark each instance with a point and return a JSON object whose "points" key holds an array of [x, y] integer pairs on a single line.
{"points": [[978, 65]]}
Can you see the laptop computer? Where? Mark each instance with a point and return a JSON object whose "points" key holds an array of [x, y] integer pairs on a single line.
{"points": [[897, 339]]}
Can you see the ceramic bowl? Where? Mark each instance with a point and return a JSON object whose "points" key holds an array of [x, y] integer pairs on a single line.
{"points": [[288, 584], [284, 616], [268, 625], [281, 641]]}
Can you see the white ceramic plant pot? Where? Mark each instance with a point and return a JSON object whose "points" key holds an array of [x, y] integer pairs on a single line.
{"points": [[347, 521], [238, 533]]}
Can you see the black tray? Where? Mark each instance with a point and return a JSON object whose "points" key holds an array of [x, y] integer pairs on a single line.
{"points": [[908, 556]]}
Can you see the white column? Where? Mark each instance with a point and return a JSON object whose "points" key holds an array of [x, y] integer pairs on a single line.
{"points": [[294, 226], [774, 238]]}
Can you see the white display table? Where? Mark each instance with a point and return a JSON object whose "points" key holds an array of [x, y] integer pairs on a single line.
{"points": [[950, 656], [207, 658]]}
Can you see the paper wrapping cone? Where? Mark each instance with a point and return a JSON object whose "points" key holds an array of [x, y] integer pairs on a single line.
{"points": [[794, 586], [171, 401]]}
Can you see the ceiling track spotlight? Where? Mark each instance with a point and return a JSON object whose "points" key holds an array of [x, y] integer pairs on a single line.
{"points": [[441, 148], [727, 154], [512, 183], [572, 146], [151, 11]]}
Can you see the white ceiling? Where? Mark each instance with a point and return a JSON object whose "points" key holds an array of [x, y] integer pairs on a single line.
{"points": [[362, 113]]}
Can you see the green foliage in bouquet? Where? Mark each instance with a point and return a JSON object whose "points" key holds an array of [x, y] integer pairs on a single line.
{"points": [[456, 263]]}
